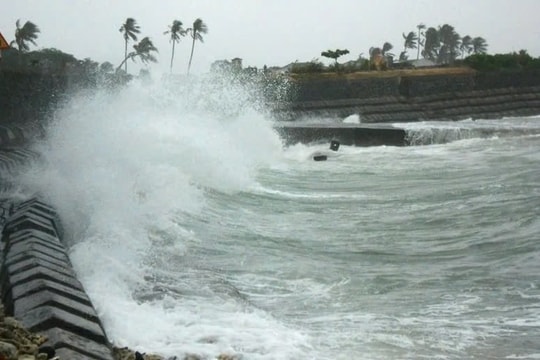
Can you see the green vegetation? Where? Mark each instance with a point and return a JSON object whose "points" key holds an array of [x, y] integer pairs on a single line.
{"points": [[199, 27], [129, 30], [175, 31], [143, 50], [512, 61], [334, 54], [25, 34], [410, 42]]}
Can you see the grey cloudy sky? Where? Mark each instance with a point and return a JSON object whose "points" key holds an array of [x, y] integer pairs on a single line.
{"points": [[272, 32]]}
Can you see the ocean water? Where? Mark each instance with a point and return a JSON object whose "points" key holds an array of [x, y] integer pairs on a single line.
{"points": [[195, 231]]}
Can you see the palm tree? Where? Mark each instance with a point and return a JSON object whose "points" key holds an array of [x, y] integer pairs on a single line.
{"points": [[386, 48], [176, 31], [431, 44], [199, 27], [466, 45], [25, 34], [409, 43], [420, 27], [143, 50], [450, 42], [129, 30], [479, 45]]}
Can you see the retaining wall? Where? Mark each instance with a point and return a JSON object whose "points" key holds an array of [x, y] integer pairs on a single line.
{"points": [[416, 98]]}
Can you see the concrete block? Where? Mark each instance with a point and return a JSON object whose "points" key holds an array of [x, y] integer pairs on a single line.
{"points": [[41, 272], [35, 203], [49, 298], [32, 262], [62, 340], [40, 217], [48, 249], [49, 317], [13, 247], [36, 237], [26, 289], [61, 260], [74, 354], [28, 222]]}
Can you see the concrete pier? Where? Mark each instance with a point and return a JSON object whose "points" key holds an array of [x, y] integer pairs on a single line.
{"points": [[346, 134]]}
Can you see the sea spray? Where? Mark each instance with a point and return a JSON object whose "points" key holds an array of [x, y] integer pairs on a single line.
{"points": [[122, 166]]}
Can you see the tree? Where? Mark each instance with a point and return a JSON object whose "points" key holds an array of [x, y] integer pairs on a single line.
{"points": [[24, 35], [377, 56], [386, 48], [106, 67], [199, 27], [450, 42], [143, 50], [410, 42], [176, 31], [420, 27], [479, 45], [130, 29], [334, 54], [466, 45], [431, 44]]}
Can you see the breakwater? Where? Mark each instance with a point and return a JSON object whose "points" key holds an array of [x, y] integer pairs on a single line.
{"points": [[415, 95], [38, 285]]}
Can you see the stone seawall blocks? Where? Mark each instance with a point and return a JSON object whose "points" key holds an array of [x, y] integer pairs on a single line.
{"points": [[39, 287]]}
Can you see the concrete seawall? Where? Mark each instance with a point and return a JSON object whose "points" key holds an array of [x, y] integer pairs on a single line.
{"points": [[364, 135]]}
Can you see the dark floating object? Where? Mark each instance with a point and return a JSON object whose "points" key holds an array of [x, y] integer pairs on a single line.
{"points": [[320, 157], [334, 145]]}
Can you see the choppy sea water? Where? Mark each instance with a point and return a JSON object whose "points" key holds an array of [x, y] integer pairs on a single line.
{"points": [[199, 233]]}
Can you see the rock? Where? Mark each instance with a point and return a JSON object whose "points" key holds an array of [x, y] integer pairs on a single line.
{"points": [[228, 357], [126, 354], [26, 357], [192, 357], [8, 351]]}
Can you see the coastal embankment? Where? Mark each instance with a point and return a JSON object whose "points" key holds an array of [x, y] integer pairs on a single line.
{"points": [[397, 96], [415, 95]]}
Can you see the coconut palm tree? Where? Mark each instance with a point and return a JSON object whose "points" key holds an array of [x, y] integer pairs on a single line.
{"points": [[199, 27], [409, 43], [386, 48], [431, 44], [129, 29], [420, 27], [176, 31], [143, 50], [466, 45], [479, 45], [450, 42], [25, 34]]}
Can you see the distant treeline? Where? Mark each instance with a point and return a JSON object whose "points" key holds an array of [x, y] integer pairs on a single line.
{"points": [[512, 61]]}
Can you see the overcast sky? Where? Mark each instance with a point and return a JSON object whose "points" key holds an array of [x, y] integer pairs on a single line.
{"points": [[271, 32]]}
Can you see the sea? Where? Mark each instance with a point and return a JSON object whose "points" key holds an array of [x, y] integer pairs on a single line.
{"points": [[196, 231]]}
